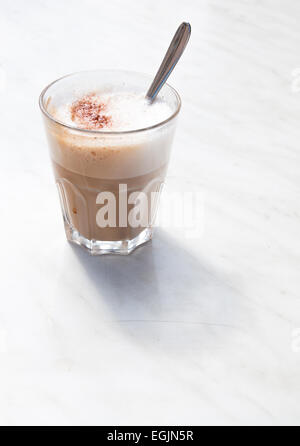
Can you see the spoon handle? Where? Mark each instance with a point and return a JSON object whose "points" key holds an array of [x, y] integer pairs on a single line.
{"points": [[171, 58]]}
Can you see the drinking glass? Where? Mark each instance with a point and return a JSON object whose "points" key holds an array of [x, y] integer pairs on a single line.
{"points": [[109, 182]]}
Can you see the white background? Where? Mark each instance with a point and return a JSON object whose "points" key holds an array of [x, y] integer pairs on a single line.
{"points": [[184, 331]]}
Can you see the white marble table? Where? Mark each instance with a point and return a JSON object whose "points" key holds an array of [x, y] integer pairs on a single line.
{"points": [[202, 330]]}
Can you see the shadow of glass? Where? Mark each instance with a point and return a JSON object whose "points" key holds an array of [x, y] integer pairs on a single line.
{"points": [[163, 294]]}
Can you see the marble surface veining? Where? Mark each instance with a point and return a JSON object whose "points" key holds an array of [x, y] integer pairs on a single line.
{"points": [[186, 330]]}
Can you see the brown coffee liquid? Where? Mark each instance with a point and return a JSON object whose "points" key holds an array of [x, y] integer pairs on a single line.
{"points": [[79, 194]]}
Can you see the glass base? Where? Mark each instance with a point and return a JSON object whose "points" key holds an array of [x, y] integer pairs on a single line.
{"points": [[98, 247]]}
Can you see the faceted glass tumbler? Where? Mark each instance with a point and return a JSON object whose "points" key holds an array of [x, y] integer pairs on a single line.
{"points": [[109, 182]]}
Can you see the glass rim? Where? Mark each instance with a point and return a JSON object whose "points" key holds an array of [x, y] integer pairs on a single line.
{"points": [[104, 132]]}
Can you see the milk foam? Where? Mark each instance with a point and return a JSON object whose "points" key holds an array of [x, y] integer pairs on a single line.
{"points": [[105, 155], [127, 111]]}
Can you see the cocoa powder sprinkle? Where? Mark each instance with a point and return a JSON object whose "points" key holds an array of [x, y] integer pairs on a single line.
{"points": [[89, 113]]}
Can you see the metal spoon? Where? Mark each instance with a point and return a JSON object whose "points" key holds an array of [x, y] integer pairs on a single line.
{"points": [[171, 58]]}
